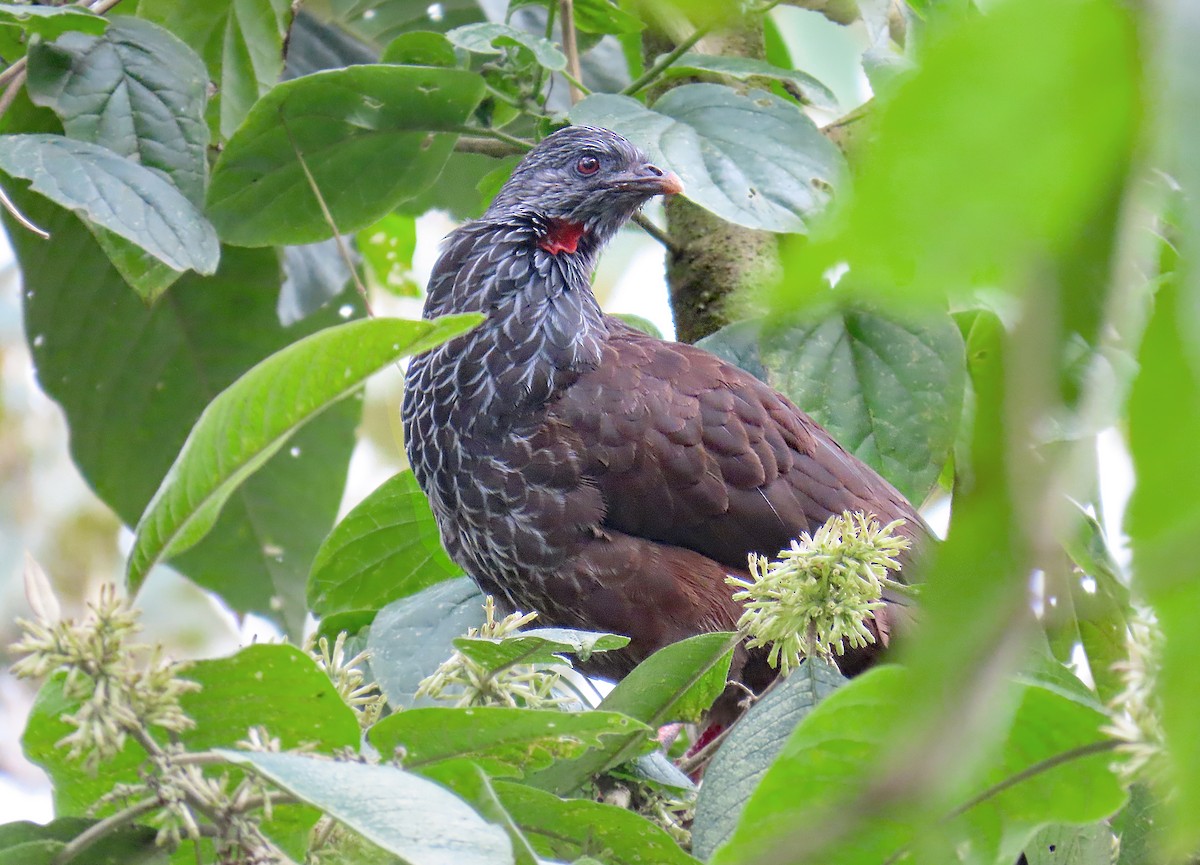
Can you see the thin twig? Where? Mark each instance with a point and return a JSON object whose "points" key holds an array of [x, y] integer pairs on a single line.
{"points": [[96, 831], [573, 73], [576, 85], [8, 204], [651, 75], [520, 143], [343, 250], [644, 222], [486, 146]]}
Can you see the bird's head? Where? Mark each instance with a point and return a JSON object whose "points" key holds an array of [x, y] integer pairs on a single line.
{"points": [[581, 182]]}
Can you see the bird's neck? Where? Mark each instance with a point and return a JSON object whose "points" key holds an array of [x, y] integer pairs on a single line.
{"points": [[543, 325]]}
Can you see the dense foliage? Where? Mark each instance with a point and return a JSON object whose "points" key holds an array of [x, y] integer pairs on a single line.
{"points": [[983, 269]]}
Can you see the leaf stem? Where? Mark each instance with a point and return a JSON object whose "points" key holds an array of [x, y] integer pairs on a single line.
{"points": [[343, 250], [96, 831], [663, 63], [647, 225], [520, 143], [573, 73]]}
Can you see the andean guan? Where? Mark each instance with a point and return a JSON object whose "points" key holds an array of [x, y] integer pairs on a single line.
{"points": [[579, 468]]}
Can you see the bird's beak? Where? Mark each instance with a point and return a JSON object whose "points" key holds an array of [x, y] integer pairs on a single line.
{"points": [[652, 180]]}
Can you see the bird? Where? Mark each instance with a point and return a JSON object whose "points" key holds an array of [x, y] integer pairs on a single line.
{"points": [[581, 469]]}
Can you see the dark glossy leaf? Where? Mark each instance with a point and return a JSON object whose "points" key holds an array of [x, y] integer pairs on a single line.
{"points": [[412, 636], [752, 746], [677, 683], [132, 380], [248, 422], [889, 390], [566, 829], [388, 547], [313, 275], [381, 21], [137, 90], [110, 191], [754, 159], [401, 812], [748, 69], [503, 742], [315, 44], [494, 38], [241, 42], [339, 121]]}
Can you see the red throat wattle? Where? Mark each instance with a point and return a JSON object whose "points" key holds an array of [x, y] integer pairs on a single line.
{"points": [[561, 236]]}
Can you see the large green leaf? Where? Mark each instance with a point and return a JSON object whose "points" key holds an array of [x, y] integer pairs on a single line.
{"points": [[401, 812], [137, 90], [241, 42], [948, 194], [411, 637], [830, 757], [341, 122], [1164, 522], [133, 380], [752, 747], [537, 646], [251, 420], [276, 686], [677, 683], [889, 390], [504, 742], [753, 159], [569, 829], [123, 197], [388, 547], [26, 843]]}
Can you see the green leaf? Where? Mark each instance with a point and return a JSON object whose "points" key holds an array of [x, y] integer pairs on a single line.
{"points": [[504, 742], [387, 249], [1163, 523], [401, 812], [747, 69], [313, 275], [1007, 794], [148, 276], [388, 547], [241, 42], [537, 646], [339, 121], [24, 842], [420, 48], [137, 90], [889, 390], [132, 381], [252, 419], [275, 686], [593, 16], [108, 190], [411, 637], [754, 159], [381, 21], [487, 38], [50, 22], [752, 746], [567, 829], [677, 683], [947, 195], [1071, 845], [645, 325]]}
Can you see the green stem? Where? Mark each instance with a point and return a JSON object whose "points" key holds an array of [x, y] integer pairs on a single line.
{"points": [[520, 143], [663, 63], [108, 825]]}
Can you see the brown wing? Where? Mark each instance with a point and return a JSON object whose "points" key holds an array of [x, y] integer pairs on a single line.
{"points": [[691, 451]]}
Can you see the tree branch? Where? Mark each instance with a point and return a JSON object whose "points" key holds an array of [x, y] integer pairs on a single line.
{"points": [[95, 832]]}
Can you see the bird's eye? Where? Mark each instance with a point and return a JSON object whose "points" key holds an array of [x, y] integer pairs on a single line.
{"points": [[587, 165]]}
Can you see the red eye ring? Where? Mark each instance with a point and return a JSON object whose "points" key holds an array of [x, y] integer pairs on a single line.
{"points": [[587, 165]]}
